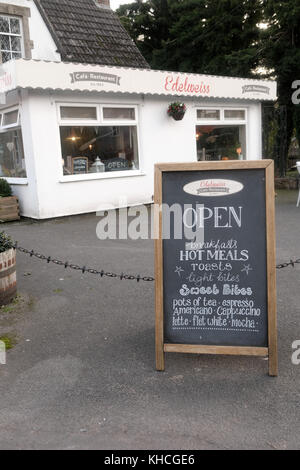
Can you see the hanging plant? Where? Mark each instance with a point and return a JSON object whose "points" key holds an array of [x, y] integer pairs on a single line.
{"points": [[177, 110]]}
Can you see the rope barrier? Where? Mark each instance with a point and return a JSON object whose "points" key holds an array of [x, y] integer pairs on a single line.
{"points": [[84, 269], [102, 273]]}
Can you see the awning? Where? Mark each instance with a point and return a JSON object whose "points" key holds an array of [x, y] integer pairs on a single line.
{"points": [[42, 75]]}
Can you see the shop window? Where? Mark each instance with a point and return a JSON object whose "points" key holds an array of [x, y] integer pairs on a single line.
{"points": [[97, 149], [11, 38], [221, 142], [10, 118], [119, 114], [208, 114], [12, 161], [235, 114], [78, 112]]}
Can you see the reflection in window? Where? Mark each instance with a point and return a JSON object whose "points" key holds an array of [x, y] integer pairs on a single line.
{"points": [[78, 112], [204, 114], [12, 162], [92, 149], [10, 118], [119, 113], [238, 114], [221, 142]]}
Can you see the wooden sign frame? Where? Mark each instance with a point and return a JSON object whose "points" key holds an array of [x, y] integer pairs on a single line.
{"points": [[161, 346]]}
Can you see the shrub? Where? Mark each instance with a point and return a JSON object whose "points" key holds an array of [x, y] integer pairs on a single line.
{"points": [[5, 189], [6, 242]]}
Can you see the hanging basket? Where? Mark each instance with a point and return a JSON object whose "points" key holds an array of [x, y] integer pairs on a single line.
{"points": [[178, 116], [177, 110]]}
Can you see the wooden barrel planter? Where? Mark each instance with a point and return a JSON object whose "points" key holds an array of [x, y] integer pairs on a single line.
{"points": [[9, 208], [8, 276]]}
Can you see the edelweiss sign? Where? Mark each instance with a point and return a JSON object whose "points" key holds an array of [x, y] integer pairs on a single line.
{"points": [[85, 77]]}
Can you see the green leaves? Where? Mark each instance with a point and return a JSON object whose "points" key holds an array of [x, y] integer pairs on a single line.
{"points": [[5, 188], [201, 36], [6, 243]]}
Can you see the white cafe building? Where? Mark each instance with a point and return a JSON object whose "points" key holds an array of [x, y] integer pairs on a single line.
{"points": [[83, 119]]}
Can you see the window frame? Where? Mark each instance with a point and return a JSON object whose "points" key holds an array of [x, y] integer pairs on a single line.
{"points": [[208, 108], [7, 111], [24, 14], [14, 180], [222, 119], [224, 122], [121, 121], [21, 36], [72, 122], [100, 122], [244, 110]]}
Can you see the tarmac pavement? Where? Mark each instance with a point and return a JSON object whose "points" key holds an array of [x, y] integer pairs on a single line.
{"points": [[82, 372]]}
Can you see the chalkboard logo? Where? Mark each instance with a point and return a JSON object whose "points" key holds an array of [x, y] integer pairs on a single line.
{"points": [[213, 187]]}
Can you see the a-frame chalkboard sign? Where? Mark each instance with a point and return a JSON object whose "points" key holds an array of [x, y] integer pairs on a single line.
{"points": [[215, 259]]}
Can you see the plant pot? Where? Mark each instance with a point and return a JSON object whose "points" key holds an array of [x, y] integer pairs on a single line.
{"points": [[8, 277], [178, 116], [9, 208]]}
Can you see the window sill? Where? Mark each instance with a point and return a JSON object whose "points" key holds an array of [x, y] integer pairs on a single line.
{"points": [[101, 176], [19, 181]]}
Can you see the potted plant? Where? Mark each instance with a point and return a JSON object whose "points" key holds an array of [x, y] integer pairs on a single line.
{"points": [[177, 110], [8, 277], [9, 204]]}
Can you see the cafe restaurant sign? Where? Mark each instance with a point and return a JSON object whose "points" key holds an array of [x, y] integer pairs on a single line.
{"points": [[62, 76], [95, 77]]}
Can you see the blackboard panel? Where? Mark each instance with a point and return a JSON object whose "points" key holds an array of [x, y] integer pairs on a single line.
{"points": [[216, 294]]}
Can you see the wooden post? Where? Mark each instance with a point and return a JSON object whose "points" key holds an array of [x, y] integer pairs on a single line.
{"points": [[271, 269], [159, 333]]}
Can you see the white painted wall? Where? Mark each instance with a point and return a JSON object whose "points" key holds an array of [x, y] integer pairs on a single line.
{"points": [[161, 139], [44, 45]]}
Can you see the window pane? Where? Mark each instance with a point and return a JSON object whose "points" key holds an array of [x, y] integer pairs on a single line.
{"points": [[16, 55], [15, 26], [10, 118], [15, 43], [12, 162], [119, 113], [6, 56], [235, 114], [4, 24], [5, 44], [221, 142], [93, 149], [208, 114], [79, 112]]}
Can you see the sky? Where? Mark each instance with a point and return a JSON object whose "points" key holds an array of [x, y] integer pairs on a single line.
{"points": [[116, 3]]}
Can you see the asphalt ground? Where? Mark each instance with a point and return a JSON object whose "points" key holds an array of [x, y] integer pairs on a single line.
{"points": [[81, 372]]}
